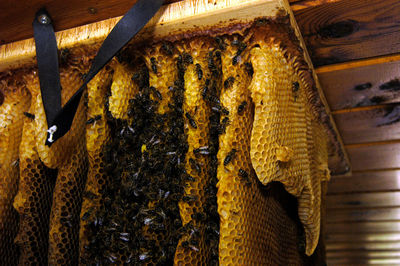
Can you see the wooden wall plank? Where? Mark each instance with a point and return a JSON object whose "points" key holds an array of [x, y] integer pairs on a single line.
{"points": [[362, 237], [374, 156], [362, 254], [365, 182], [362, 227], [386, 245], [363, 262], [369, 83], [362, 215], [370, 125], [363, 200], [350, 29], [16, 16]]}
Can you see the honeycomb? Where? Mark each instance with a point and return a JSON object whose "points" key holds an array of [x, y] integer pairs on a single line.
{"points": [[15, 102], [281, 140], [97, 134], [201, 151], [197, 162]]}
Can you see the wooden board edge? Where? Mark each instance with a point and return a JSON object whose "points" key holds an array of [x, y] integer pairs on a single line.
{"points": [[337, 165], [169, 20]]}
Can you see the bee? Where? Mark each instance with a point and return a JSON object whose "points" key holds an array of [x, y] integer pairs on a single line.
{"points": [[29, 115], [199, 216], [244, 176], [191, 120], [204, 92], [235, 59], [15, 163], [204, 150], [87, 214], [89, 195], [156, 93], [199, 71], [135, 76], [93, 119], [167, 48], [229, 82], [241, 107], [64, 55], [187, 58], [153, 65], [295, 86], [195, 166], [144, 256], [229, 157], [223, 125], [249, 68], [66, 221], [189, 198], [220, 42]]}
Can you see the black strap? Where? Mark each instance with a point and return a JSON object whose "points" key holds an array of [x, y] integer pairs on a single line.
{"points": [[60, 119]]}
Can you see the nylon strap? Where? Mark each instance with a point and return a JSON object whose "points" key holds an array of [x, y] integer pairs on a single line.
{"points": [[59, 120]]}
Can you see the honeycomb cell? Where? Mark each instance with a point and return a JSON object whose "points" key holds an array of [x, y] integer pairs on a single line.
{"points": [[16, 100]]}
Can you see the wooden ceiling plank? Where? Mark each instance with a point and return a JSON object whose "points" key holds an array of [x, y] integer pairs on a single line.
{"points": [[350, 29], [395, 245], [363, 237], [364, 85], [363, 200], [363, 227], [374, 181], [333, 254], [373, 125], [366, 261], [362, 215], [374, 156], [16, 16]]}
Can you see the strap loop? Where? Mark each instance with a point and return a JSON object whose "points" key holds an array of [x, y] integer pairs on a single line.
{"points": [[59, 120]]}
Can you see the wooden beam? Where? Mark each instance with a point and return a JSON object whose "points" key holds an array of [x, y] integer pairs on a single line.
{"points": [[364, 83], [363, 200], [345, 30], [375, 181], [16, 16], [332, 238], [370, 125], [362, 215], [374, 155]]}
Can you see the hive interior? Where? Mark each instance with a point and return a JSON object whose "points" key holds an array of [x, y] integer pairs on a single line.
{"points": [[173, 156]]}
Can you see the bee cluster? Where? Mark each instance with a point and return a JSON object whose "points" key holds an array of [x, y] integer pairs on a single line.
{"points": [[140, 220]]}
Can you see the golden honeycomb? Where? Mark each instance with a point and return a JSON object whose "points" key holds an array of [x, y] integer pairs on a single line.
{"points": [[97, 134], [15, 102], [123, 88], [34, 199], [279, 150], [235, 115], [197, 127]]}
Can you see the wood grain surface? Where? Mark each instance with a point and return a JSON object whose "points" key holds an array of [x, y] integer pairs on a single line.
{"points": [[362, 215], [16, 16], [362, 237], [345, 30], [364, 83], [369, 124], [370, 181], [374, 156], [363, 200], [363, 227]]}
